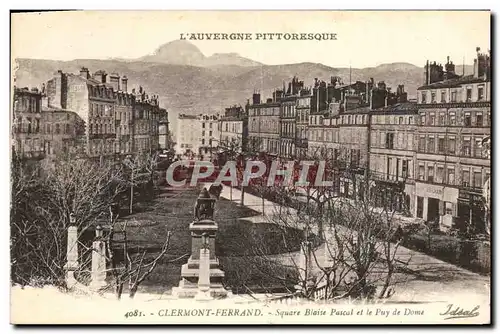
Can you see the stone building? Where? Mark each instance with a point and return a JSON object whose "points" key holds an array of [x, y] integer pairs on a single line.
{"points": [[303, 109], [210, 135], [264, 126], [146, 121], [27, 124], [288, 117], [233, 127], [116, 122], [188, 135], [392, 156], [164, 136], [454, 117]]}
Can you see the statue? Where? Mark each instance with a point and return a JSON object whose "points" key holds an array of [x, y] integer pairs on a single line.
{"points": [[204, 207], [215, 190]]}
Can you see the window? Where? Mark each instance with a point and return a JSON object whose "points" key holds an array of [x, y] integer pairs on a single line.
{"points": [[451, 175], [410, 120], [421, 172], [203, 142], [433, 97], [431, 144], [210, 133], [443, 96], [58, 129], [465, 177], [432, 119], [480, 93], [422, 119], [477, 179], [469, 94], [203, 125], [404, 169], [424, 98], [478, 152], [400, 120], [430, 173], [466, 146], [421, 144], [389, 140], [203, 133], [467, 119], [454, 96], [440, 174], [210, 125], [479, 119], [452, 120], [451, 145], [91, 129], [442, 119], [441, 145]]}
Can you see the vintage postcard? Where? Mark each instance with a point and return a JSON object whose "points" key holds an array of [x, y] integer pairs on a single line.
{"points": [[250, 167]]}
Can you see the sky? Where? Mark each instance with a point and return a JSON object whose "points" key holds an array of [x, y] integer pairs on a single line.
{"points": [[364, 39]]}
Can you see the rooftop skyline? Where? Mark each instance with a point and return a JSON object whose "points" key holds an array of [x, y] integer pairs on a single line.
{"points": [[364, 39]]}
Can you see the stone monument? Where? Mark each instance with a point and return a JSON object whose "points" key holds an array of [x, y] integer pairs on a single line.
{"points": [[201, 275], [98, 275], [71, 253]]}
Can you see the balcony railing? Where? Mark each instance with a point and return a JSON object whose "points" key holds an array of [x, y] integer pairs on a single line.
{"points": [[39, 154]]}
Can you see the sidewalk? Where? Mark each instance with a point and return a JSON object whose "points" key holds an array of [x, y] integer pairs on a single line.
{"points": [[425, 278]]}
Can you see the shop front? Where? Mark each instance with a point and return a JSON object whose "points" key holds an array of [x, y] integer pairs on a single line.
{"points": [[435, 203]]}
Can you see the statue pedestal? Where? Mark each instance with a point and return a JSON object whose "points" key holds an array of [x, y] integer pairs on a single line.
{"points": [[190, 272]]}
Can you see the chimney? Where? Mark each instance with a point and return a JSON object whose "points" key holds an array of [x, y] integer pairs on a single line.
{"points": [[256, 98], [100, 76], [124, 83], [427, 73], [114, 80], [84, 72]]}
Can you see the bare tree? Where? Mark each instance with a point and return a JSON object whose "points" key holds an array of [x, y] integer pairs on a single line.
{"points": [[128, 266], [42, 207], [358, 257], [140, 166]]}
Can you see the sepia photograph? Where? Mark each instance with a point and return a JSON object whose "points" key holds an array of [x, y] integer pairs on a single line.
{"points": [[250, 167]]}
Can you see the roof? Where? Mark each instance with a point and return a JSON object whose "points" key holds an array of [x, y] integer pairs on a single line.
{"points": [[398, 107], [454, 83], [54, 109]]}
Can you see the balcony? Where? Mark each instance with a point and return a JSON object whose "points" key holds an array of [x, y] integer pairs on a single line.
{"points": [[34, 155], [301, 142]]}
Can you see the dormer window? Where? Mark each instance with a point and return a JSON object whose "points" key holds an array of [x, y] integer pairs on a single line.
{"points": [[424, 97]]}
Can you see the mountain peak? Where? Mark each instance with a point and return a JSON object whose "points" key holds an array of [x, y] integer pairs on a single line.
{"points": [[177, 52], [181, 52]]}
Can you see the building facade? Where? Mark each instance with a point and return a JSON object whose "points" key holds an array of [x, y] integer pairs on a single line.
{"points": [[233, 127], [303, 110], [392, 156], [210, 135], [264, 126], [451, 168], [27, 124], [164, 136], [116, 122], [188, 135]]}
